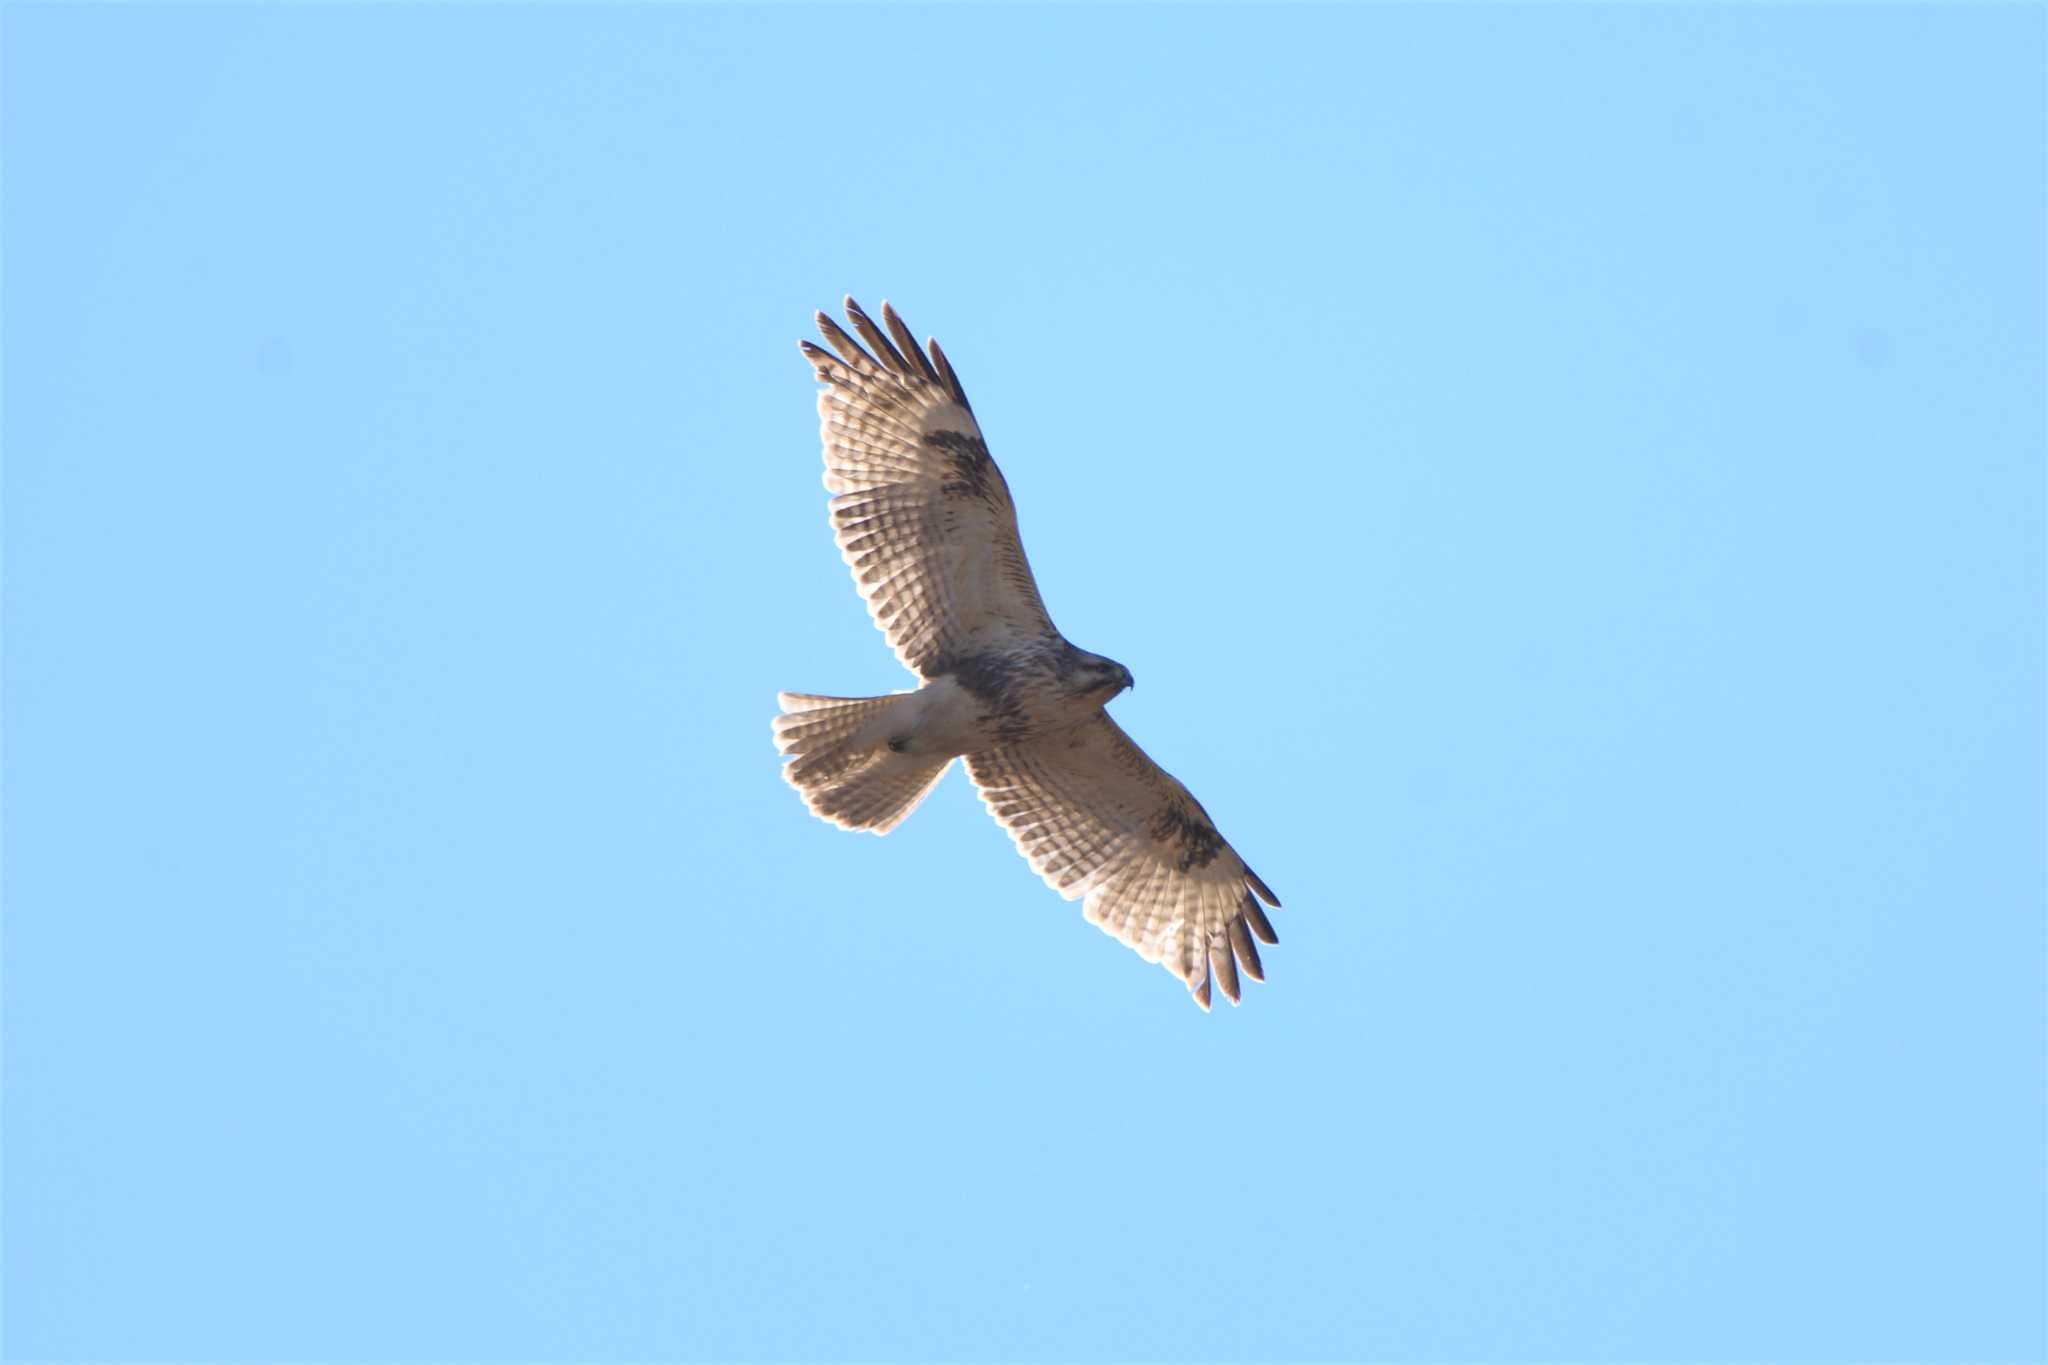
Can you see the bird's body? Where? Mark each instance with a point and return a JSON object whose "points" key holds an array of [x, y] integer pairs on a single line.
{"points": [[923, 516]]}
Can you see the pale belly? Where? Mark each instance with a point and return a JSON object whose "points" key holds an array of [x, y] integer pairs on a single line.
{"points": [[939, 718], [943, 717]]}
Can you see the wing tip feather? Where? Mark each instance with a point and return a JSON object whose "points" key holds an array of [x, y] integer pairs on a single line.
{"points": [[1256, 919], [946, 374], [906, 341], [1223, 967], [1247, 951]]}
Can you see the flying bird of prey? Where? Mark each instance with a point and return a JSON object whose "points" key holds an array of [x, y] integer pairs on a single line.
{"points": [[923, 517]]}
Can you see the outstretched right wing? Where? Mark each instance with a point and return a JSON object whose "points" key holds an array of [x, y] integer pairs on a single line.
{"points": [[921, 512], [1098, 818]]}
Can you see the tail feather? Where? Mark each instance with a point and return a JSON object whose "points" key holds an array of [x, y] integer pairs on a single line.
{"points": [[841, 762]]}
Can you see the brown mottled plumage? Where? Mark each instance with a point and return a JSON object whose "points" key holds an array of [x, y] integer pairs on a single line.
{"points": [[925, 521]]}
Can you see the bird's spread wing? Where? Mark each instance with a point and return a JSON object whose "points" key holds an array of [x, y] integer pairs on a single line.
{"points": [[1097, 818], [921, 512]]}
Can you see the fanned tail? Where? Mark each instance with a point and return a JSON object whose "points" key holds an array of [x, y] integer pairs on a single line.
{"points": [[842, 764]]}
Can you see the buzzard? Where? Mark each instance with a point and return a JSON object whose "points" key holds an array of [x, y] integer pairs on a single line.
{"points": [[924, 518]]}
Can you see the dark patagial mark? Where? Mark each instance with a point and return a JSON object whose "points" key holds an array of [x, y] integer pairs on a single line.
{"points": [[971, 473], [1192, 834]]}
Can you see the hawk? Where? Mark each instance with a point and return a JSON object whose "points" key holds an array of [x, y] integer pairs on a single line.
{"points": [[923, 517]]}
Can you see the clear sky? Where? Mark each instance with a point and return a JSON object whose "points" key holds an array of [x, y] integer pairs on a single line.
{"points": [[1568, 481]]}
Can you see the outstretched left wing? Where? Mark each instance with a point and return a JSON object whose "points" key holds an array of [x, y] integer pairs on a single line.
{"points": [[922, 515], [1098, 818]]}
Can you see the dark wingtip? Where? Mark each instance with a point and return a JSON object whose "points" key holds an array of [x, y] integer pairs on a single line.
{"points": [[906, 341], [1256, 919], [1223, 967], [1247, 952], [945, 372], [1265, 892]]}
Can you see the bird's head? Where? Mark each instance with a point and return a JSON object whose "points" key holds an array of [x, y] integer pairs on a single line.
{"points": [[1103, 678]]}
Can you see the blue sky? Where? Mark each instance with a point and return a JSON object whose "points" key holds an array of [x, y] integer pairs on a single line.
{"points": [[1569, 480]]}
